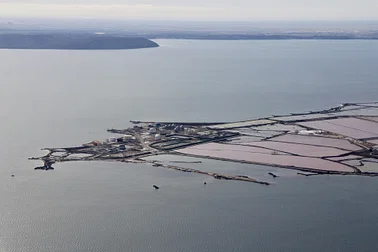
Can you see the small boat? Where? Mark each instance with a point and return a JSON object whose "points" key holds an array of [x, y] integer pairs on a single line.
{"points": [[155, 187], [273, 175]]}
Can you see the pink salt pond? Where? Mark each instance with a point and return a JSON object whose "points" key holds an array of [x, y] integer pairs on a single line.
{"points": [[371, 118], [374, 141], [351, 127], [263, 156], [300, 149], [244, 139], [317, 141], [355, 123]]}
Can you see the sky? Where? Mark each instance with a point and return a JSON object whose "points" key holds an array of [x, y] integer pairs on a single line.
{"points": [[211, 10]]}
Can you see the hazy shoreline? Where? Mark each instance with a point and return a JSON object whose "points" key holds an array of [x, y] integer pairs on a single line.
{"points": [[196, 30]]}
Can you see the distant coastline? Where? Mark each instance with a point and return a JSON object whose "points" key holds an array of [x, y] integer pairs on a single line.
{"points": [[196, 30], [72, 41], [277, 36], [284, 34]]}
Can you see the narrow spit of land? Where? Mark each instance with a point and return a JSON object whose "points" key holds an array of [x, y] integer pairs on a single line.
{"points": [[341, 140]]}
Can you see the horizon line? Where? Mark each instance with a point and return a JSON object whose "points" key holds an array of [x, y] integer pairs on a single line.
{"points": [[188, 20]]}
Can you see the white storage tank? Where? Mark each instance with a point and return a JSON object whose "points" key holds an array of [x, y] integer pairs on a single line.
{"points": [[152, 131], [157, 137]]}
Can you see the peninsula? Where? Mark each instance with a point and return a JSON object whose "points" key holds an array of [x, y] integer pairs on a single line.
{"points": [[72, 41], [341, 140]]}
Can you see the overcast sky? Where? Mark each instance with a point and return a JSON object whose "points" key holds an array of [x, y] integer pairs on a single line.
{"points": [[195, 9]]}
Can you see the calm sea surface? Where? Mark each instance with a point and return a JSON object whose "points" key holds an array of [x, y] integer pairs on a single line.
{"points": [[64, 98]]}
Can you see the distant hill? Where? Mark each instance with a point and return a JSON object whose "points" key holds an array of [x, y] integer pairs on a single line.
{"points": [[73, 41]]}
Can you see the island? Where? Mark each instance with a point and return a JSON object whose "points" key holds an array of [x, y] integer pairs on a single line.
{"points": [[338, 141], [72, 41]]}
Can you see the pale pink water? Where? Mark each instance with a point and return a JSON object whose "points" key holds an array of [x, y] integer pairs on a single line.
{"points": [[338, 129], [226, 151], [356, 123], [300, 149], [317, 140], [373, 141]]}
